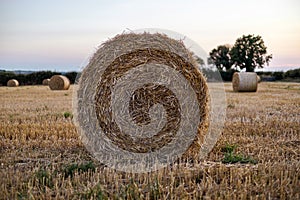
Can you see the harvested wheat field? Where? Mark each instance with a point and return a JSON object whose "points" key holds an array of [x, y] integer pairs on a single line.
{"points": [[256, 157]]}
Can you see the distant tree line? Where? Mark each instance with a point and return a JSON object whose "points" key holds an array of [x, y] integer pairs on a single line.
{"points": [[292, 75], [35, 78]]}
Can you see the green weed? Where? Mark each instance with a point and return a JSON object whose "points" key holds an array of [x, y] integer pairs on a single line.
{"points": [[230, 157]]}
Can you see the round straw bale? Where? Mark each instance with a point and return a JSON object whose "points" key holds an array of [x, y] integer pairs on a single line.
{"points": [[142, 95], [258, 79], [244, 82], [12, 83], [46, 81], [59, 82]]}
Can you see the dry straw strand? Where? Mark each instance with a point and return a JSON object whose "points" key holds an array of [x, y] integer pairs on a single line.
{"points": [[46, 81], [244, 82], [59, 82], [12, 83]]}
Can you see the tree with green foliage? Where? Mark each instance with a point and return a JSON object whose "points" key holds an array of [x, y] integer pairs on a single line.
{"points": [[221, 57], [249, 51]]}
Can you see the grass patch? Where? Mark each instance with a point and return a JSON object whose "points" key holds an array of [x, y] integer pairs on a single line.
{"points": [[230, 157], [44, 178], [94, 193], [70, 170], [130, 191], [68, 115]]}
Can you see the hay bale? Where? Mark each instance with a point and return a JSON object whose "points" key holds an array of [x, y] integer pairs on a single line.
{"points": [[258, 79], [244, 82], [59, 82], [130, 75], [46, 81], [12, 83]]}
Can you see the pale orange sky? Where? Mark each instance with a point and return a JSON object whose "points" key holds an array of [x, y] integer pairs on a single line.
{"points": [[60, 35]]}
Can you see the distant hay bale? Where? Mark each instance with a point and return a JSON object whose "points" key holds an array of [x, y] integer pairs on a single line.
{"points": [[59, 82], [155, 55], [12, 83], [46, 81], [244, 82]]}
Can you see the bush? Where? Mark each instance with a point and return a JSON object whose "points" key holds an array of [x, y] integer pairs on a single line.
{"points": [[295, 73]]}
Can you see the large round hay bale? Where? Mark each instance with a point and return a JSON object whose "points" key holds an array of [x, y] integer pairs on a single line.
{"points": [[46, 81], [244, 82], [143, 98], [12, 83], [59, 82]]}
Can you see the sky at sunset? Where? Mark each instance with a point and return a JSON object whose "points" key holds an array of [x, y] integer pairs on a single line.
{"points": [[60, 35]]}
